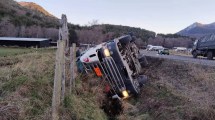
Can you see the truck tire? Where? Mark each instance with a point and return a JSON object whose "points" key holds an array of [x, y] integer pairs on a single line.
{"points": [[209, 55], [143, 61], [195, 55]]}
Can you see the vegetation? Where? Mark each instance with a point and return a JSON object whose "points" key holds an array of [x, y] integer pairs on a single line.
{"points": [[21, 15], [119, 30], [176, 90], [171, 35], [33, 21], [5, 51], [84, 102], [26, 81], [171, 40], [26, 84], [99, 33], [19, 21], [13, 51]]}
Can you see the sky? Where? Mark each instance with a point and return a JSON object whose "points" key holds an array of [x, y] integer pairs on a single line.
{"points": [[160, 16]]}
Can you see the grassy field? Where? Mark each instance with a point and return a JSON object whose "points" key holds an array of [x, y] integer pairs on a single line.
{"points": [[26, 84], [5, 51], [13, 51], [26, 81]]}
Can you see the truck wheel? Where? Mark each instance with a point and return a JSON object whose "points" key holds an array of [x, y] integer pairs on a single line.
{"points": [[195, 55], [209, 55], [143, 61]]}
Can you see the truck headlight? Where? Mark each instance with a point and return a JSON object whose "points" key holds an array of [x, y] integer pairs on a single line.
{"points": [[106, 52], [125, 93]]}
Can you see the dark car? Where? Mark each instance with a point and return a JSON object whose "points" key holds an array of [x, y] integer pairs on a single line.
{"points": [[164, 51]]}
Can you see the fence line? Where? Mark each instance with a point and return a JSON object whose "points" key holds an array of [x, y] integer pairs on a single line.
{"points": [[59, 89]]}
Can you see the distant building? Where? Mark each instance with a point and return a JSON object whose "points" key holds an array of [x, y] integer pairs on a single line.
{"points": [[25, 42]]}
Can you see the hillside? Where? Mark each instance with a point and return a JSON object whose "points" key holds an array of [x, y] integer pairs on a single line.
{"points": [[18, 21], [27, 19], [198, 30], [36, 7], [104, 32], [171, 40]]}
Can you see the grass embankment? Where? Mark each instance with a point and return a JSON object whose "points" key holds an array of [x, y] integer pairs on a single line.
{"points": [[85, 101], [26, 84], [176, 90]]}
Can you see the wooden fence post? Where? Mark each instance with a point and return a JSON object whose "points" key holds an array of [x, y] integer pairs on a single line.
{"points": [[72, 65], [56, 98], [63, 72]]}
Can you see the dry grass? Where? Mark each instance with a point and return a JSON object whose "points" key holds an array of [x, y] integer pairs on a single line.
{"points": [[176, 90], [85, 101], [26, 84], [181, 53]]}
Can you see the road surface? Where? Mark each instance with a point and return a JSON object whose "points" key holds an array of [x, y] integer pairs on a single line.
{"points": [[202, 61]]}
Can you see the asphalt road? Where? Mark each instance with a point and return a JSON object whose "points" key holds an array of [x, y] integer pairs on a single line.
{"points": [[202, 61]]}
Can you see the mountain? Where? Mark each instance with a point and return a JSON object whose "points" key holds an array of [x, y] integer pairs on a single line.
{"points": [[27, 19], [198, 30], [36, 7], [19, 21]]}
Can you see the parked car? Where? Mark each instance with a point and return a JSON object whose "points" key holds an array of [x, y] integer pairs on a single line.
{"points": [[164, 51], [154, 48]]}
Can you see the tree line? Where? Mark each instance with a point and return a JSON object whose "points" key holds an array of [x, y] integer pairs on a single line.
{"points": [[18, 21]]}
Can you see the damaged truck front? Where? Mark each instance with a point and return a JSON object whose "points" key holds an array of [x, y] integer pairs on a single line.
{"points": [[118, 62]]}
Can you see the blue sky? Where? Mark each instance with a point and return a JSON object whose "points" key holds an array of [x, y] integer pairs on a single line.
{"points": [[160, 16]]}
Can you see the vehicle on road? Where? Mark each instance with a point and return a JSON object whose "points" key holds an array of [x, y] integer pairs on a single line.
{"points": [[204, 46], [164, 51], [180, 49], [118, 62], [154, 48]]}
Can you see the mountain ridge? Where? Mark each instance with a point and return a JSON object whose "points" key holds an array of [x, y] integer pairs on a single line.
{"points": [[198, 30]]}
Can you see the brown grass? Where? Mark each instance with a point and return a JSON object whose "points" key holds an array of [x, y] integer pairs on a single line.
{"points": [[85, 101], [175, 90], [26, 84]]}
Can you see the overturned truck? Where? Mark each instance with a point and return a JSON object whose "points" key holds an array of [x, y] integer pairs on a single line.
{"points": [[119, 62]]}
